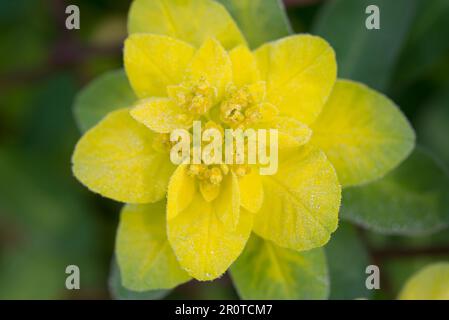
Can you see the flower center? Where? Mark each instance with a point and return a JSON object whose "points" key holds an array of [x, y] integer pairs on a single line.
{"points": [[242, 106], [194, 97], [213, 174]]}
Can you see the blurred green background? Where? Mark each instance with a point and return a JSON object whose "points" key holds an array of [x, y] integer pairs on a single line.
{"points": [[48, 220]]}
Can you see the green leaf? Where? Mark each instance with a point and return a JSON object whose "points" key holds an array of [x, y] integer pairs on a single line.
{"points": [[119, 292], [363, 133], [426, 45], [29, 273], [33, 48], [366, 55], [46, 224], [51, 129], [267, 271], [109, 92], [144, 255], [432, 125], [347, 259], [260, 20], [410, 200], [400, 257]]}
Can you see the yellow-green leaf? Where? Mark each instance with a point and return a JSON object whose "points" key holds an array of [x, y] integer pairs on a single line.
{"points": [[267, 271], [119, 292], [301, 201], [190, 20], [362, 132], [108, 92], [144, 255], [431, 283], [116, 159]]}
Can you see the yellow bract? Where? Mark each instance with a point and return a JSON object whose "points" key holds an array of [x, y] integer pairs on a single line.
{"points": [[300, 72], [212, 63], [301, 202], [251, 191], [362, 132], [153, 62], [202, 235], [161, 115], [145, 257], [183, 188], [192, 21], [178, 83], [244, 66], [116, 159], [291, 132], [431, 283]]}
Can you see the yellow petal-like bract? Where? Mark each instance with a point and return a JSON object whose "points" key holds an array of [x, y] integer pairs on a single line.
{"points": [[211, 63], [153, 62], [145, 258], [193, 21], [431, 283], [227, 205], [301, 201], [116, 159], [161, 115], [183, 188], [362, 132], [292, 128], [244, 66], [251, 191], [300, 72], [202, 235]]}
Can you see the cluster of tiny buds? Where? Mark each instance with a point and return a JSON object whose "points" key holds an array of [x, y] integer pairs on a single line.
{"points": [[195, 97], [214, 174], [240, 108]]}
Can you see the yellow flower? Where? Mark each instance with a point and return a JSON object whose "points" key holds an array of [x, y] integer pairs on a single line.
{"points": [[332, 133]]}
